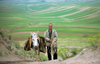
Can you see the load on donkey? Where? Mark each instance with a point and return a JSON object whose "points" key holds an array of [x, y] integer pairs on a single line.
{"points": [[37, 43]]}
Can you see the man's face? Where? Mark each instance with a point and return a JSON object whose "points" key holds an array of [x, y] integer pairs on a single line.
{"points": [[50, 26]]}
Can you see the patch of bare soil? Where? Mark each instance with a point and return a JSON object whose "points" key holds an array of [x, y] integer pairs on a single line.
{"points": [[45, 62], [20, 39]]}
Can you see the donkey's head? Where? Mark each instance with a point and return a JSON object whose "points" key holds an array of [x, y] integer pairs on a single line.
{"points": [[35, 39]]}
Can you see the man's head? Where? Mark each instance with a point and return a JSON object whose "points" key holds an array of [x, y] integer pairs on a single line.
{"points": [[50, 26]]}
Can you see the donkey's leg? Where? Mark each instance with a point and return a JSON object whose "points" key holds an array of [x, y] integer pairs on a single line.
{"points": [[39, 57], [35, 53], [36, 57]]}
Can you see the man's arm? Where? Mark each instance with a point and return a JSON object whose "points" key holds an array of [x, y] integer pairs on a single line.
{"points": [[47, 39], [55, 36]]}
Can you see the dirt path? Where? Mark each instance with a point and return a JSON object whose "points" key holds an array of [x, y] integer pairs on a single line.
{"points": [[75, 12], [89, 57], [32, 62], [93, 14], [20, 39], [16, 61], [59, 9]]}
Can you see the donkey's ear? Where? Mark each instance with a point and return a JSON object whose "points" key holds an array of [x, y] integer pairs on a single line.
{"points": [[31, 33], [37, 32]]}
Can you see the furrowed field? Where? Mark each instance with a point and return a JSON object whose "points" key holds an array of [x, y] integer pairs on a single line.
{"points": [[74, 22]]}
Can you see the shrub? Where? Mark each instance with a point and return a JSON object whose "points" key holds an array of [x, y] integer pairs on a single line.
{"points": [[1, 33], [16, 53], [17, 45], [81, 53], [63, 53], [9, 48], [1, 53], [30, 24], [10, 42], [85, 35], [6, 39], [43, 57], [10, 37], [5, 52], [74, 52], [26, 53], [30, 53], [94, 41]]}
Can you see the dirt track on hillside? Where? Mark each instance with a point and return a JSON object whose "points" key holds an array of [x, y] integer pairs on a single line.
{"points": [[43, 33], [20, 39]]}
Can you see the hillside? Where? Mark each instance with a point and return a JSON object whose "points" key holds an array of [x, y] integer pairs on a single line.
{"points": [[77, 23], [9, 53], [8, 56]]}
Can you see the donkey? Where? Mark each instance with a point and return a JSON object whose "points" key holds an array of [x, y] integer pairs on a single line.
{"points": [[36, 45]]}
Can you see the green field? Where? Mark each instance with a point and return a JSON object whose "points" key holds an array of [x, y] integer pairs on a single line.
{"points": [[66, 17], [75, 22]]}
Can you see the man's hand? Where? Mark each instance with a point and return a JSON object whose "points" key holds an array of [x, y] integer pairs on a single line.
{"points": [[50, 40]]}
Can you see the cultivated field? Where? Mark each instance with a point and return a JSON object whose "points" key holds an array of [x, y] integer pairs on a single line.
{"points": [[74, 22], [71, 20]]}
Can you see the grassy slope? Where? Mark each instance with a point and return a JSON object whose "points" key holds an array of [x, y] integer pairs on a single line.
{"points": [[83, 13], [64, 30], [60, 36], [17, 15]]}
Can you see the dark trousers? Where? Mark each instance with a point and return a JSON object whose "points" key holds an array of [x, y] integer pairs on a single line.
{"points": [[49, 54]]}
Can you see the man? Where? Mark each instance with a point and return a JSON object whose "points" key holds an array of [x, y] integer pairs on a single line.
{"points": [[50, 36]]}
